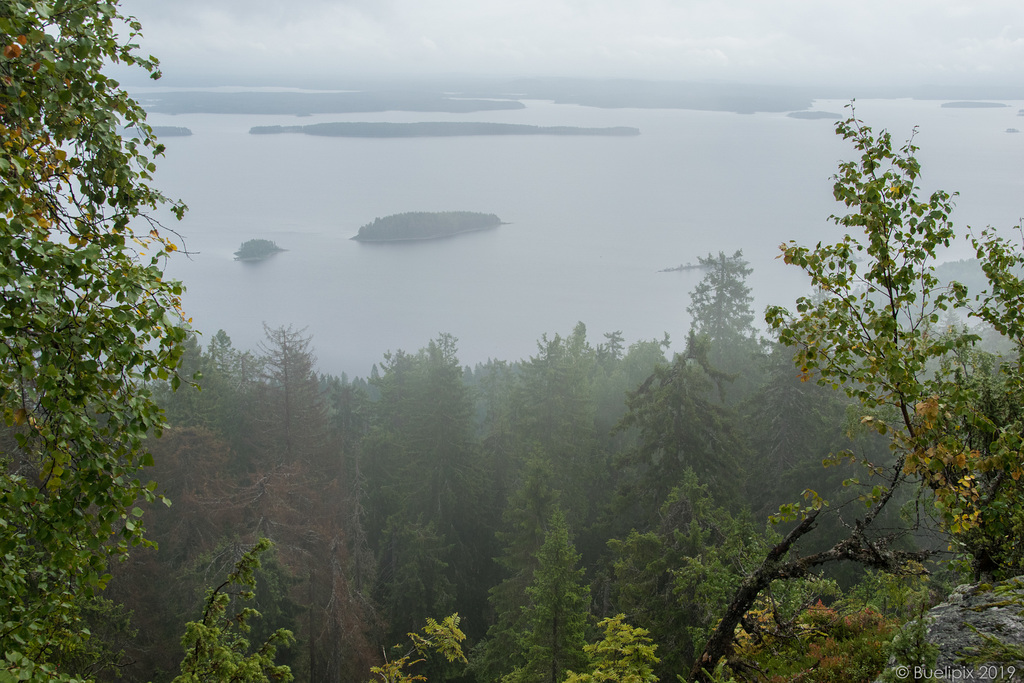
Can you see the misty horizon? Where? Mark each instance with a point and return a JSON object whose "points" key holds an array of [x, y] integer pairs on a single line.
{"points": [[321, 43]]}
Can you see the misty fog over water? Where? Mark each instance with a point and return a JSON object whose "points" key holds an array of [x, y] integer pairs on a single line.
{"points": [[591, 219]]}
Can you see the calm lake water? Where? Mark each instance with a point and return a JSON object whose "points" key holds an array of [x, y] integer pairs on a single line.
{"points": [[591, 219]]}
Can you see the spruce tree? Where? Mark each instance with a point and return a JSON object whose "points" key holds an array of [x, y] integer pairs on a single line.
{"points": [[722, 311], [557, 613]]}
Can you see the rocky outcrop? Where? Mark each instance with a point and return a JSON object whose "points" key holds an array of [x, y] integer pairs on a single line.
{"points": [[978, 620]]}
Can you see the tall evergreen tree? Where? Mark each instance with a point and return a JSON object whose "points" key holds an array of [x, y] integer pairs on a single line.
{"points": [[413, 576], [680, 425], [526, 523], [556, 617], [555, 416], [292, 422], [422, 442], [792, 425], [423, 472], [721, 306], [675, 578]]}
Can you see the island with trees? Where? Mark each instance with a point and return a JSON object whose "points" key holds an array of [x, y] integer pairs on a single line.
{"points": [[383, 129], [171, 131], [424, 225], [256, 250]]}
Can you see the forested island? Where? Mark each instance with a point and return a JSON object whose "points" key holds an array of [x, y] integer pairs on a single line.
{"points": [[422, 225], [355, 129], [256, 250], [171, 131]]}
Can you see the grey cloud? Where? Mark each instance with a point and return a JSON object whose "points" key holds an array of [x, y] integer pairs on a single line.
{"points": [[783, 40]]}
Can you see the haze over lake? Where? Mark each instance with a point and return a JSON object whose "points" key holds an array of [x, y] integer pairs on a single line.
{"points": [[591, 219]]}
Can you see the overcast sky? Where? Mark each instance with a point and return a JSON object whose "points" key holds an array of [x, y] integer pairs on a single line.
{"points": [[900, 42]]}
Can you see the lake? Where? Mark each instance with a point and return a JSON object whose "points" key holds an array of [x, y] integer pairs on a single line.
{"points": [[591, 219]]}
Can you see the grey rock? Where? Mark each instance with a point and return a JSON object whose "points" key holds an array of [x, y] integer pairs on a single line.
{"points": [[959, 628]]}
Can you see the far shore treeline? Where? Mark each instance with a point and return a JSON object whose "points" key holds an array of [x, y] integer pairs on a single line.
{"points": [[380, 129]]}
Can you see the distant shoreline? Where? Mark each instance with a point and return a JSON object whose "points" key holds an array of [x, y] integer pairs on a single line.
{"points": [[498, 94], [435, 129]]}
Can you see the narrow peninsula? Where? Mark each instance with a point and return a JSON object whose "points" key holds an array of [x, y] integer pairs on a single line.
{"points": [[432, 129], [422, 225], [973, 104], [685, 266], [814, 115], [256, 250], [160, 132]]}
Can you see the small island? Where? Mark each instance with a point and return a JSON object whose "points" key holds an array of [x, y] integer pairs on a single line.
{"points": [[422, 225], [256, 250], [171, 131]]}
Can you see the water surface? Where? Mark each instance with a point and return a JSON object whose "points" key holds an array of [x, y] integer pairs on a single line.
{"points": [[592, 219]]}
